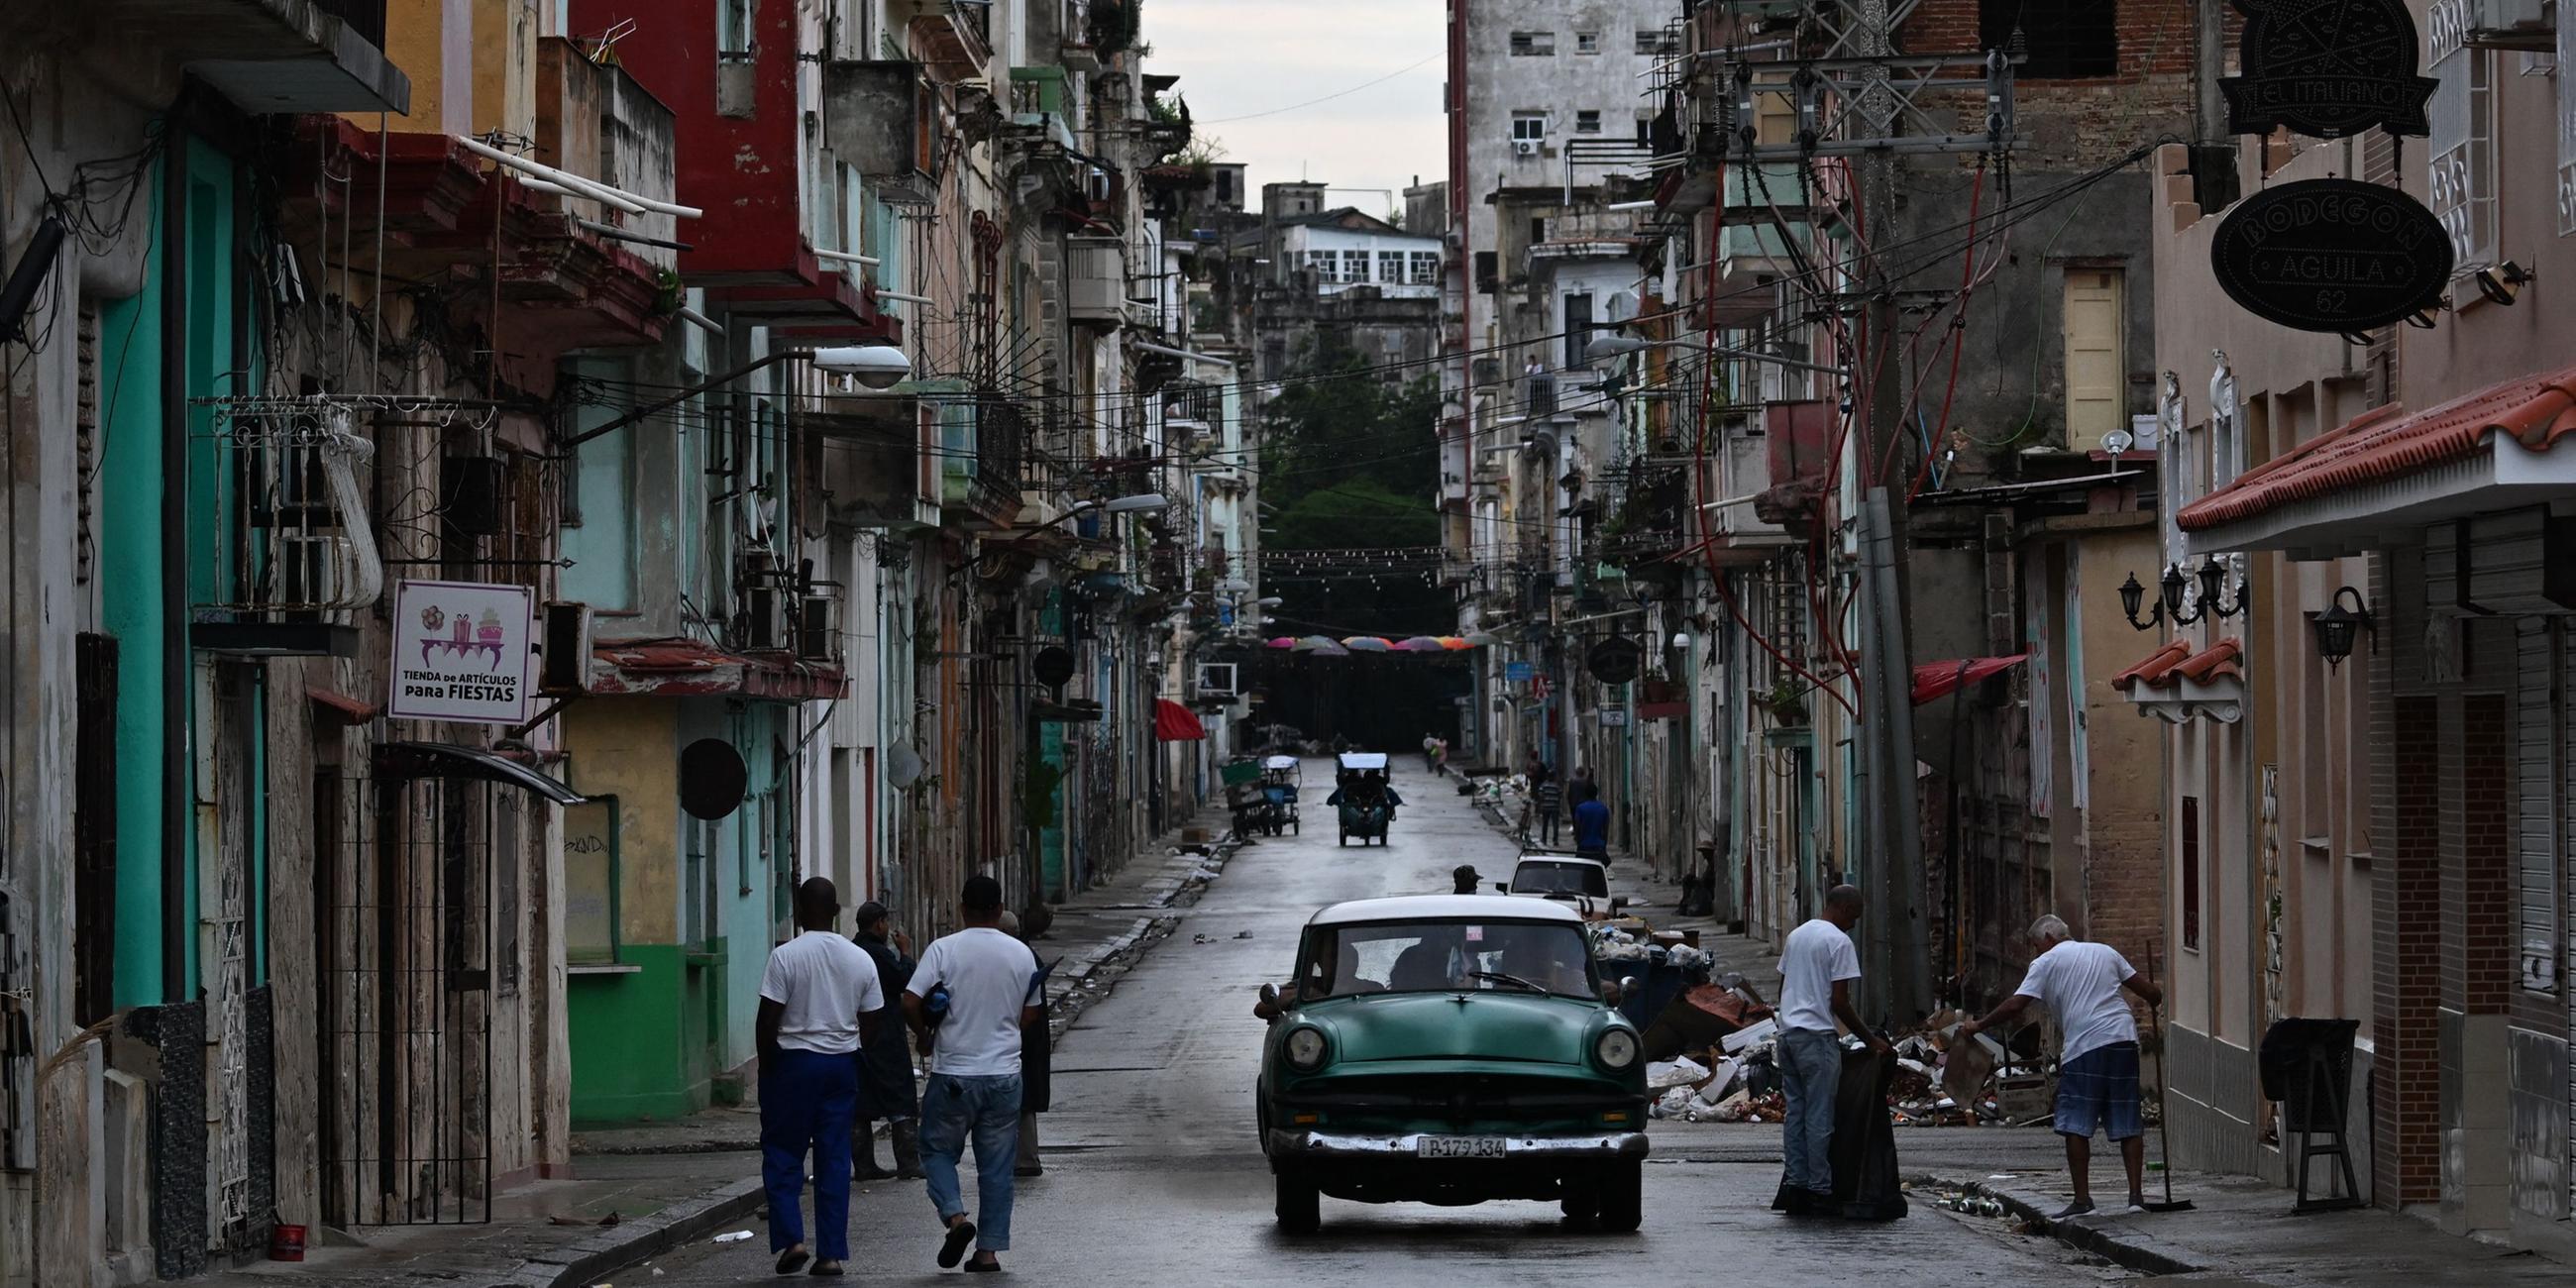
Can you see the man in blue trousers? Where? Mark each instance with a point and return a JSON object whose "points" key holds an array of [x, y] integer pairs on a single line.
{"points": [[813, 995]]}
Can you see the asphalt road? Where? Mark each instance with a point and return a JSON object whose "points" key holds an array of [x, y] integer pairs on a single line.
{"points": [[1153, 1175]]}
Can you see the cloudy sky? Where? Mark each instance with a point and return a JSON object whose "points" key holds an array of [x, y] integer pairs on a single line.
{"points": [[1251, 59]]}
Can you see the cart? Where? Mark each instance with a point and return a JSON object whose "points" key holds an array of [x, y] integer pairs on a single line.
{"points": [[1244, 796], [1367, 819], [1281, 776]]}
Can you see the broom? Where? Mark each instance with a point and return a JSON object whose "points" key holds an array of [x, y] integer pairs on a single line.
{"points": [[2164, 1115]]}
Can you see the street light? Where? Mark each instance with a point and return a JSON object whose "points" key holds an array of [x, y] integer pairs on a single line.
{"points": [[878, 366], [1613, 345], [2337, 626]]}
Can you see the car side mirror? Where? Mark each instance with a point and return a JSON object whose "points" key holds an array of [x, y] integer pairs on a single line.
{"points": [[1270, 994], [1618, 902], [1502, 887]]}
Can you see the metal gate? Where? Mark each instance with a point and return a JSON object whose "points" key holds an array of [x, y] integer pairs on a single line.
{"points": [[406, 994]]}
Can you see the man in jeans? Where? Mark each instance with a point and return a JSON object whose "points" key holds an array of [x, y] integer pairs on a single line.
{"points": [[974, 1087], [1817, 966]]}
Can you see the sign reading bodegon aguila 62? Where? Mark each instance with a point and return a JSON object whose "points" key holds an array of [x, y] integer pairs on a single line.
{"points": [[2327, 68], [2334, 255], [461, 652]]}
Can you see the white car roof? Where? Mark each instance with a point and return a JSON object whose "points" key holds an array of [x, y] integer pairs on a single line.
{"points": [[1562, 859], [1363, 760], [1444, 907], [1280, 762]]}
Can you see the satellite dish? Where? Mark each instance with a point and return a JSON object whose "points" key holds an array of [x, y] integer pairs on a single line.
{"points": [[2118, 441], [712, 778], [1053, 666], [903, 765]]}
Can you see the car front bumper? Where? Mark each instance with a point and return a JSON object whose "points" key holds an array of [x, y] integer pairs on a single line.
{"points": [[1593, 1147]]}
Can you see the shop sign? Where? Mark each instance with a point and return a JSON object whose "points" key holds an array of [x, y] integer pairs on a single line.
{"points": [[1613, 717], [2333, 255], [2327, 68], [1614, 660], [1519, 672], [461, 652]]}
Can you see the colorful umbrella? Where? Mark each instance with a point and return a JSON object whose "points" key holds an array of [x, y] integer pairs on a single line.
{"points": [[1326, 649], [1422, 644], [1312, 643], [1454, 643], [1367, 644], [1284, 641], [1479, 639]]}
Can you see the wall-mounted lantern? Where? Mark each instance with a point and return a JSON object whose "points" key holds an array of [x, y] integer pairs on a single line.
{"points": [[2337, 627], [2171, 605]]}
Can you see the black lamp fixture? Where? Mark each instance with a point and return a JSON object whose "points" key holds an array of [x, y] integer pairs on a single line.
{"points": [[2337, 626], [2175, 602], [2504, 282]]}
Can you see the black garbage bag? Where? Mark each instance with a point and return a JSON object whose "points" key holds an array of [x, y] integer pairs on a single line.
{"points": [[1867, 1185]]}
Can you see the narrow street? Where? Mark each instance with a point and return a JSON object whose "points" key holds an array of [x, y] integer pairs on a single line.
{"points": [[1153, 1175]]}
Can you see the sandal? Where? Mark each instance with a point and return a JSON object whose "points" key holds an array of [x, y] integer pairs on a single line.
{"points": [[954, 1250], [793, 1260]]}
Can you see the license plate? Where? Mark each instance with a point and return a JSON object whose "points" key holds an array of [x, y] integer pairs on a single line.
{"points": [[1459, 1147]]}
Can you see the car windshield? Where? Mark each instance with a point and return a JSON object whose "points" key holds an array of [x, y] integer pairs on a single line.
{"points": [[1559, 878], [1445, 956]]}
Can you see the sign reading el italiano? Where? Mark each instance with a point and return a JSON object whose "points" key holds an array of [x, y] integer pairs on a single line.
{"points": [[461, 652], [2328, 69]]}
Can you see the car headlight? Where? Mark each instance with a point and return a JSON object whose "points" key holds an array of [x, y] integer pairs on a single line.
{"points": [[1615, 1049], [1305, 1048]]}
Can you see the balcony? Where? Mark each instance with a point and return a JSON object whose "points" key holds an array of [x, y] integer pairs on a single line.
{"points": [[1041, 106], [876, 459], [880, 118], [954, 36], [274, 56], [1095, 282], [595, 120], [982, 444]]}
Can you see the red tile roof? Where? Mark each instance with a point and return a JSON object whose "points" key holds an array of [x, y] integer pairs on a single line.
{"points": [[2176, 662], [2386, 443]]}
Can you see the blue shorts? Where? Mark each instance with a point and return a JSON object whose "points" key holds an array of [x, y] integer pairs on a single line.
{"points": [[2099, 1090]]}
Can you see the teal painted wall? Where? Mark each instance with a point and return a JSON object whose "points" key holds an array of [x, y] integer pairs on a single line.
{"points": [[601, 547], [130, 608]]}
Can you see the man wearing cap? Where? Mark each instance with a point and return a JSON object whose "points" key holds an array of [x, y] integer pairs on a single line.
{"points": [[885, 1067], [974, 1091], [817, 994], [1464, 879]]}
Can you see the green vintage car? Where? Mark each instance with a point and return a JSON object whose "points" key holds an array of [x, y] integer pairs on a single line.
{"points": [[1451, 1049]]}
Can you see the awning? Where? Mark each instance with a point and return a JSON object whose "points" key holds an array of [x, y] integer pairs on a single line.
{"points": [[1939, 679], [1174, 723], [339, 706], [448, 760], [2388, 472], [2178, 682], [680, 668]]}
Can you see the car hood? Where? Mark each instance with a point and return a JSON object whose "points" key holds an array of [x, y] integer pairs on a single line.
{"points": [[1473, 1025]]}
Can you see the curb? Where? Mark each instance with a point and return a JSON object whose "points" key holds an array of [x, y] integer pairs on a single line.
{"points": [[644, 1237], [2122, 1247]]}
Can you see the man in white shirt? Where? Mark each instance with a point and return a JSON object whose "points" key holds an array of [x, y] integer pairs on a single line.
{"points": [[1817, 967], [813, 995], [2097, 1069], [986, 977]]}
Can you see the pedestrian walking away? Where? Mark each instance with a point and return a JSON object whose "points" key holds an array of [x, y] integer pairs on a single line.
{"points": [[1463, 879], [1591, 823], [974, 1091], [885, 1066], [817, 996], [1817, 967], [2097, 1071], [1549, 796]]}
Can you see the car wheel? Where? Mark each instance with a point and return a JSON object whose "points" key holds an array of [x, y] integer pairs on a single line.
{"points": [[1622, 1197], [1581, 1205], [1299, 1205], [1346, 838]]}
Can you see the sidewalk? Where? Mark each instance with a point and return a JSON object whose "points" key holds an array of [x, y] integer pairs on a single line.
{"points": [[2241, 1227], [638, 1192]]}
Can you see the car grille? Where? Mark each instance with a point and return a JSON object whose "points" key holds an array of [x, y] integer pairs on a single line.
{"points": [[1466, 1096]]}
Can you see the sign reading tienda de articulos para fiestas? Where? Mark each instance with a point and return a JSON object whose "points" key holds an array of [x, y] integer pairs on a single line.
{"points": [[2335, 255]]}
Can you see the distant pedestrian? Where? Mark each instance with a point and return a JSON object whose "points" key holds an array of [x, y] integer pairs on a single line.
{"points": [[1463, 879], [1591, 823], [1817, 966], [1037, 1058], [974, 1091], [885, 1065], [817, 995], [2097, 1072], [1549, 796]]}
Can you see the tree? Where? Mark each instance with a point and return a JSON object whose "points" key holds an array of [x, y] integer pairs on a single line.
{"points": [[1353, 461]]}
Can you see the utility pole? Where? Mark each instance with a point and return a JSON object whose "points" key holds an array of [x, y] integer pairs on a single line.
{"points": [[1897, 976]]}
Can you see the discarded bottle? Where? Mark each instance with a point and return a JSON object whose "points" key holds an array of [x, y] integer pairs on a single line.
{"points": [[736, 1236]]}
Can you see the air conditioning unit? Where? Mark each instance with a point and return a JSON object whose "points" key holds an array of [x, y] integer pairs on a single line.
{"points": [[1216, 679], [1524, 147]]}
